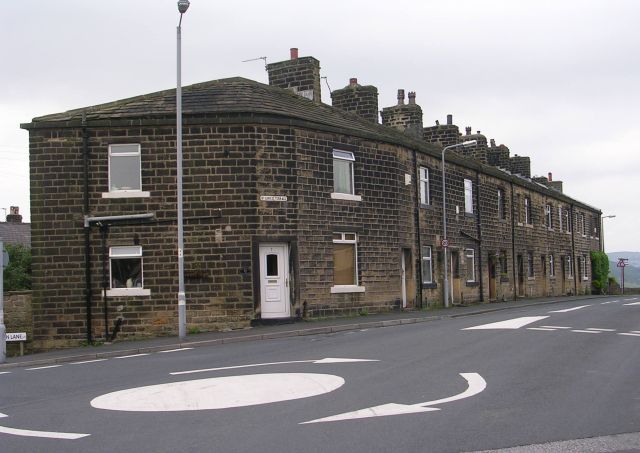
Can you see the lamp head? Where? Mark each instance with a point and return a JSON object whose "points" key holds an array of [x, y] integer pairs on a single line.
{"points": [[469, 143], [183, 6]]}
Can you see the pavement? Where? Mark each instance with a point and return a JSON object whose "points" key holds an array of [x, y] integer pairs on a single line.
{"points": [[267, 332]]}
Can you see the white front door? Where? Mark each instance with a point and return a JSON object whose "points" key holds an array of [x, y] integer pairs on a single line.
{"points": [[274, 281]]}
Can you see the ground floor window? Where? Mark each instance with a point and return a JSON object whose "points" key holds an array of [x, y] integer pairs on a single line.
{"points": [[125, 271], [530, 272], [427, 266], [503, 262], [470, 257], [582, 265], [569, 266], [345, 263], [552, 266]]}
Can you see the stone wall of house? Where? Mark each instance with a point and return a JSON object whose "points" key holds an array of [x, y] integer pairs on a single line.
{"points": [[299, 74], [18, 317]]}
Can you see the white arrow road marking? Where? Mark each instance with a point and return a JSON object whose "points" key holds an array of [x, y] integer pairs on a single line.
{"points": [[566, 310], [515, 323], [476, 384], [321, 361], [31, 433]]}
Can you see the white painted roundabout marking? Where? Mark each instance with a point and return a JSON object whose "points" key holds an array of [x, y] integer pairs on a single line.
{"points": [[46, 434], [219, 393], [476, 384]]}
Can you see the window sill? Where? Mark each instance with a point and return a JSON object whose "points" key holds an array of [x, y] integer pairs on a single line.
{"points": [[472, 284], [345, 196], [125, 292], [429, 285], [531, 278], [340, 289], [126, 194]]}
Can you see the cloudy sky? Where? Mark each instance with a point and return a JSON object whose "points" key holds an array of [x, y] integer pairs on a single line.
{"points": [[556, 80]]}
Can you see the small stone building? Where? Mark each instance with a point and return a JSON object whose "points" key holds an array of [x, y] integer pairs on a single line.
{"points": [[292, 209]]}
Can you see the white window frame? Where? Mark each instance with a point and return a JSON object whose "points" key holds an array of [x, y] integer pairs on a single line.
{"points": [[569, 266], [344, 156], [125, 193], [552, 266], [527, 211], [355, 288], [548, 213], [123, 252], [502, 214], [427, 257], [425, 192], [584, 274], [560, 222], [567, 221], [470, 254], [583, 225], [468, 196]]}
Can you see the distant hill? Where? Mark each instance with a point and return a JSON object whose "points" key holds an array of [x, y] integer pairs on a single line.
{"points": [[631, 272]]}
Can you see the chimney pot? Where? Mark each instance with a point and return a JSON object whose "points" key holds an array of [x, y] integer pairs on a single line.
{"points": [[468, 130], [400, 97], [478, 132], [412, 97], [550, 177], [493, 142], [294, 53], [449, 120], [353, 82]]}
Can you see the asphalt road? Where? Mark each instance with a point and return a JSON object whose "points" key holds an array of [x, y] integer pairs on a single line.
{"points": [[561, 377]]}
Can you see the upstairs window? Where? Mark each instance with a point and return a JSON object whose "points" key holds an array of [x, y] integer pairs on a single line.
{"points": [[567, 220], [582, 227], [125, 174], [560, 219], [425, 193], [548, 216], [468, 196], [343, 172], [502, 212], [125, 271], [527, 211]]}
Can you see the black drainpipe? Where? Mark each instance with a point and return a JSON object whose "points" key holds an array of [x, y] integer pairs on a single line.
{"points": [[573, 252], [416, 176], [479, 221], [513, 242], [87, 229], [104, 231]]}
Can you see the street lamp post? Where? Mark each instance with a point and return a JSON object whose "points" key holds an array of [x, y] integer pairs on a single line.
{"points": [[445, 242], [602, 229], [183, 5]]}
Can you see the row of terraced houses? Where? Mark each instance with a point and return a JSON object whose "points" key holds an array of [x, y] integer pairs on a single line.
{"points": [[292, 209]]}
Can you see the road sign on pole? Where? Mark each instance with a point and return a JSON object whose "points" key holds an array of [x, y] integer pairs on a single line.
{"points": [[444, 243], [622, 262]]}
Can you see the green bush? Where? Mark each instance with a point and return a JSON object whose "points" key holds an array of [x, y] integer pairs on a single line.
{"points": [[17, 275], [599, 272]]}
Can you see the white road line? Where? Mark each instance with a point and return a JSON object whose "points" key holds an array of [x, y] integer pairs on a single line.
{"points": [[47, 434], [566, 310], [476, 384], [3, 415], [633, 298], [87, 361], [515, 323], [130, 356], [5, 372], [585, 331], [604, 303], [557, 327], [174, 350], [42, 367], [630, 334], [541, 328], [634, 303], [601, 330], [635, 331], [326, 360]]}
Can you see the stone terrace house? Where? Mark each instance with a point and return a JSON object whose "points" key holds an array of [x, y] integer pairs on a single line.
{"points": [[292, 209]]}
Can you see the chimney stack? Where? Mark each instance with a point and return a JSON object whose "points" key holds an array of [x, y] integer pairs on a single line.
{"points": [[358, 99], [14, 215], [400, 97], [406, 118], [298, 74], [550, 177], [449, 120], [412, 98]]}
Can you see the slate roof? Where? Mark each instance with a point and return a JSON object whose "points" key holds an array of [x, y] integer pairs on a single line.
{"points": [[15, 233], [235, 95]]}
